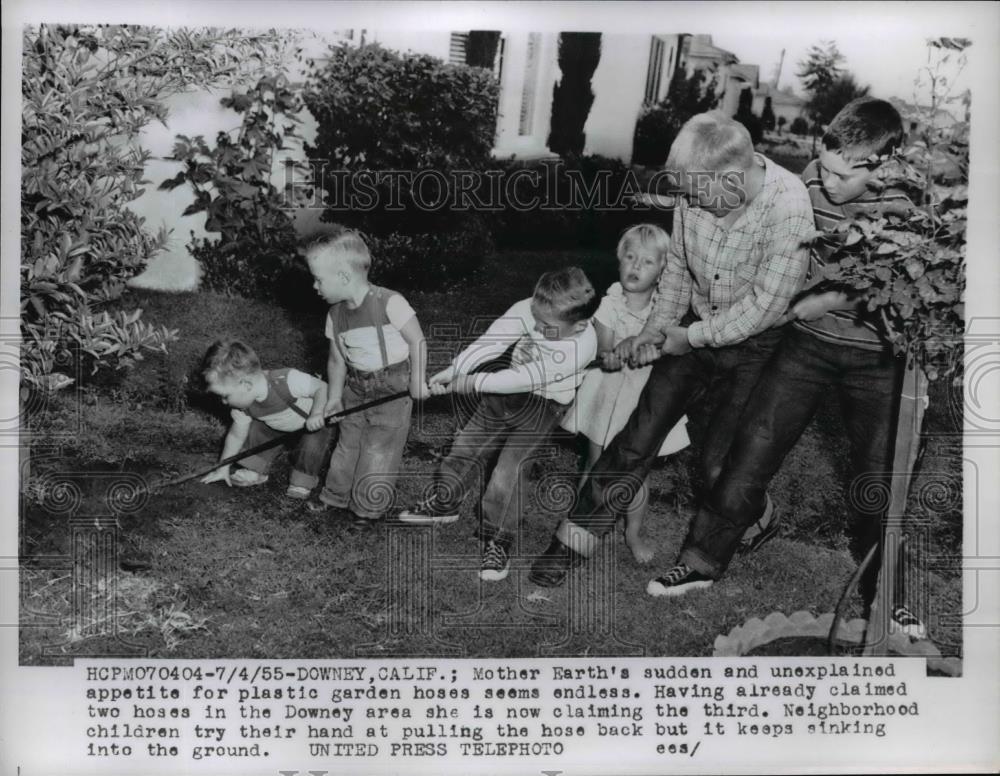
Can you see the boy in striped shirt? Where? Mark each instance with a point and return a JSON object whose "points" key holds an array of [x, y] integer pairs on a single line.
{"points": [[834, 344]]}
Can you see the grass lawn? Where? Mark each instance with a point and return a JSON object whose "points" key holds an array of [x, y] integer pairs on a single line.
{"points": [[247, 573]]}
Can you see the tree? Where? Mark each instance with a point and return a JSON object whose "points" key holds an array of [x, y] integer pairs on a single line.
{"points": [[799, 126], [824, 105], [818, 71], [572, 97], [821, 66], [749, 119], [658, 125], [767, 115], [87, 91], [781, 123], [481, 48]]}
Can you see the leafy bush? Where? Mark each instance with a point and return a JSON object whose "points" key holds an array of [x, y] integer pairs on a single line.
{"points": [[379, 112], [171, 381], [419, 261], [560, 213], [659, 124], [911, 266], [799, 126], [87, 91], [232, 184]]}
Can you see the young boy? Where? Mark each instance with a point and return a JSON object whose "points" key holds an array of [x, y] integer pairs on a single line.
{"points": [[552, 340], [266, 404], [834, 344], [376, 349]]}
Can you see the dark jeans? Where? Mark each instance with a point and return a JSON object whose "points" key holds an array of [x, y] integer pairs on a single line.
{"points": [[366, 461], [674, 383], [307, 456], [805, 372], [508, 427]]}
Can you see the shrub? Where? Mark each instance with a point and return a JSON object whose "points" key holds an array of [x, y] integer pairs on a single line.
{"points": [[799, 126], [767, 115], [171, 381], [418, 261], [659, 124], [379, 111], [911, 266], [749, 119], [560, 215], [87, 91]]}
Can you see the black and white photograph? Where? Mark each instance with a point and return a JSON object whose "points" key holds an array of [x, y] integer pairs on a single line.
{"points": [[511, 383]]}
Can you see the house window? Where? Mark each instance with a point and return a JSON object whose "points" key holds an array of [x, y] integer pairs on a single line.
{"points": [[655, 71], [528, 94], [457, 48]]}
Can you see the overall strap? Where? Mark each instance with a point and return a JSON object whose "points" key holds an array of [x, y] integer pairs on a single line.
{"points": [[277, 379], [379, 319]]}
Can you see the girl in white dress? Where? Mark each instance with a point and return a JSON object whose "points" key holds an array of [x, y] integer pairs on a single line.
{"points": [[607, 397]]}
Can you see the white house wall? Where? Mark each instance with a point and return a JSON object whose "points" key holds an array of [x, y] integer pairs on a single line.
{"points": [[619, 85], [437, 43], [509, 140], [196, 113]]}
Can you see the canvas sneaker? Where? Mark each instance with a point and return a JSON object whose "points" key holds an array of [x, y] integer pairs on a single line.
{"points": [[761, 532], [679, 580], [428, 512], [907, 622], [496, 562], [247, 478]]}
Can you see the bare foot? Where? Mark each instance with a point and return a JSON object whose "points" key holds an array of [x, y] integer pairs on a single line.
{"points": [[641, 551]]}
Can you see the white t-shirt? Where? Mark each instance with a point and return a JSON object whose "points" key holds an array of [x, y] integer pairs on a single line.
{"points": [[549, 368], [360, 346]]}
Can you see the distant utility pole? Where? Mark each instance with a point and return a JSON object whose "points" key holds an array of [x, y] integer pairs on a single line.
{"points": [[777, 70]]}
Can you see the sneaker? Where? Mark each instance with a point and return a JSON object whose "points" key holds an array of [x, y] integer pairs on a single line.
{"points": [[679, 580], [247, 478], [298, 492], [496, 562], [764, 533], [907, 622], [428, 512]]}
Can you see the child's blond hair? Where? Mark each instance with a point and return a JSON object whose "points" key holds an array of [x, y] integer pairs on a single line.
{"points": [[229, 358], [568, 293], [711, 142], [645, 236], [347, 246]]}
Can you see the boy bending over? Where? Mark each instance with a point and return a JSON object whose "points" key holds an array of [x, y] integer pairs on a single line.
{"points": [[267, 404]]}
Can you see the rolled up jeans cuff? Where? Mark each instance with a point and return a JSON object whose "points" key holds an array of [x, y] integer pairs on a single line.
{"points": [[490, 532], [694, 559], [332, 499]]}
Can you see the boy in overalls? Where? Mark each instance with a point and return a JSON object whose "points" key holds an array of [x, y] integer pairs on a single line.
{"points": [[376, 349]]}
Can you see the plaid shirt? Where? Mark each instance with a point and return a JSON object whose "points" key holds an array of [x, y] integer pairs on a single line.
{"points": [[741, 280]]}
